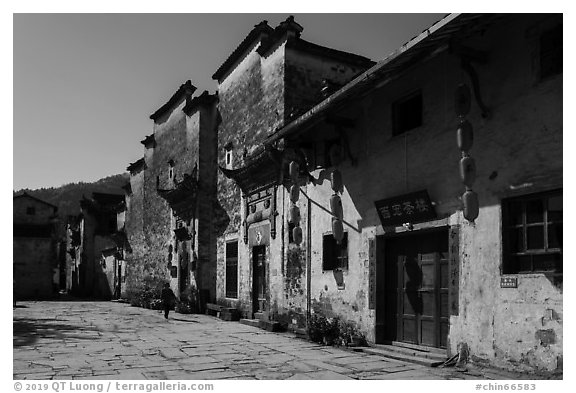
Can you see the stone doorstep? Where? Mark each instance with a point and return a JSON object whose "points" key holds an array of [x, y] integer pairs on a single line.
{"points": [[409, 356], [270, 326], [250, 322]]}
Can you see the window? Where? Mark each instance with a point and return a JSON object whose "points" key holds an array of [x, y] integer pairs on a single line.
{"points": [[30, 210], [334, 255], [171, 176], [228, 148], [551, 52], [407, 113], [532, 233], [232, 269]]}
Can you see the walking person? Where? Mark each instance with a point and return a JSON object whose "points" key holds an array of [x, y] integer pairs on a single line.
{"points": [[168, 299]]}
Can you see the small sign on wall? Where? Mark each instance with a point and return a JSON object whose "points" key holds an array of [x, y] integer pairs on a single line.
{"points": [[508, 282], [408, 208]]}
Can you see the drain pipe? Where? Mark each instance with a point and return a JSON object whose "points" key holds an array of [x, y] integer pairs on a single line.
{"points": [[308, 262]]}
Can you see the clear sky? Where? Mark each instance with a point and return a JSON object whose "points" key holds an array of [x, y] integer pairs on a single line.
{"points": [[85, 84]]}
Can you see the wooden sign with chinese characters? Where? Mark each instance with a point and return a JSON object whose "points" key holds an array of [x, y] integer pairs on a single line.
{"points": [[409, 208]]}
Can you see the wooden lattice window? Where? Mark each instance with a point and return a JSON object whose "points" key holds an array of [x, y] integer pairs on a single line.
{"points": [[532, 233]]}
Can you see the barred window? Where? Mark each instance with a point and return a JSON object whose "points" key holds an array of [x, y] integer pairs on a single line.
{"points": [[232, 270], [532, 233], [334, 255]]}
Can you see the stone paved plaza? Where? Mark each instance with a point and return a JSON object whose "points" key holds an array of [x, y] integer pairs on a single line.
{"points": [[114, 341]]}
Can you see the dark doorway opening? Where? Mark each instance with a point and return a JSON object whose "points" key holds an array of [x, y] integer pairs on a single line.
{"points": [[412, 288], [259, 279]]}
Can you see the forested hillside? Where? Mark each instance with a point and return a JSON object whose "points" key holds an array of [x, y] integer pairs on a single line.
{"points": [[68, 196]]}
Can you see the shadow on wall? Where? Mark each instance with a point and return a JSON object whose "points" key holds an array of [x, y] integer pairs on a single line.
{"points": [[221, 219], [28, 331]]}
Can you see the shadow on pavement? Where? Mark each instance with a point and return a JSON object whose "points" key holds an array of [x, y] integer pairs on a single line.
{"points": [[28, 331], [183, 320]]}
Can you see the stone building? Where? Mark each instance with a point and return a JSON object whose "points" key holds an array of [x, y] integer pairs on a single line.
{"points": [[434, 249], [95, 243], [35, 247], [269, 79], [170, 198], [410, 267]]}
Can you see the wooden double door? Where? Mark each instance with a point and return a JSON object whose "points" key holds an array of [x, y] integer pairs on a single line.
{"points": [[414, 300]]}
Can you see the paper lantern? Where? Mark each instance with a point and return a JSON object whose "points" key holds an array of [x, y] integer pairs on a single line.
{"points": [[468, 171], [294, 193], [294, 170], [465, 136], [337, 230], [471, 205], [297, 234], [336, 206], [294, 214], [336, 180]]}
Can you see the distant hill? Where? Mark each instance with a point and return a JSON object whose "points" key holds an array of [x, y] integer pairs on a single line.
{"points": [[68, 196]]}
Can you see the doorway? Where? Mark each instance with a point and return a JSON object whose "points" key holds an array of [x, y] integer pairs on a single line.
{"points": [[412, 298], [259, 279]]}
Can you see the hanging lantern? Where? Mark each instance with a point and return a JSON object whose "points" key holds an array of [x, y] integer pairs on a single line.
{"points": [[336, 206], [465, 135], [336, 180], [467, 171], [471, 205], [294, 215], [462, 100], [297, 234], [337, 230], [294, 193], [294, 169], [335, 154]]}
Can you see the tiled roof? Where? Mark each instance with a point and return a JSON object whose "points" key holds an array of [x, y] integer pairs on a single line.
{"points": [[25, 194], [437, 36], [186, 89], [203, 99], [136, 165], [261, 30], [262, 169]]}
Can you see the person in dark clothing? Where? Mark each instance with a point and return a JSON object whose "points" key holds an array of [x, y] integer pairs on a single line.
{"points": [[168, 299]]}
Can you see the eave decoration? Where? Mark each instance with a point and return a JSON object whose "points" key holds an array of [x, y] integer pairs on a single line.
{"points": [[182, 198]]}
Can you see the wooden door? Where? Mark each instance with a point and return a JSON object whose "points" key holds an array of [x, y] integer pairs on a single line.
{"points": [[416, 294], [259, 278]]}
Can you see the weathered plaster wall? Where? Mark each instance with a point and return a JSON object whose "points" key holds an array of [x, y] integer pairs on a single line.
{"points": [[176, 138], [135, 231], [103, 268], [32, 264], [250, 106], [253, 101], [520, 143], [208, 206]]}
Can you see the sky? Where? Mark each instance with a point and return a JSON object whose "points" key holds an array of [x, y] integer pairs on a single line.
{"points": [[85, 84]]}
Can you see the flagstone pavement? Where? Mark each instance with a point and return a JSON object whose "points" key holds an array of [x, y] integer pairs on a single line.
{"points": [[114, 341]]}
